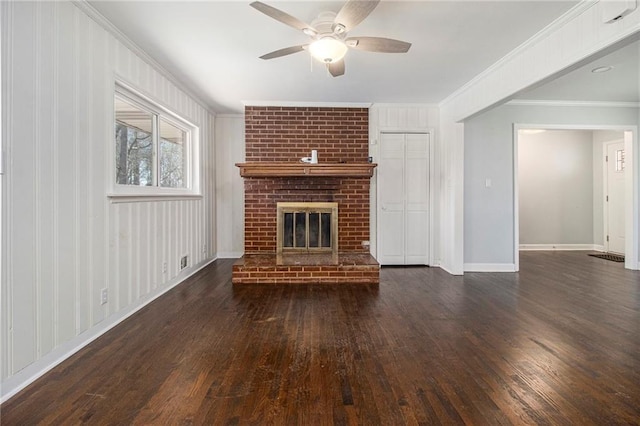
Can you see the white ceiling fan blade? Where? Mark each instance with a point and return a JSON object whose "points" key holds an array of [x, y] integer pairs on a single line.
{"points": [[354, 12], [284, 52], [378, 44], [281, 16], [336, 69]]}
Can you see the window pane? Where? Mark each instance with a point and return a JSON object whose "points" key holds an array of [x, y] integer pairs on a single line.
{"points": [[134, 145], [287, 240], [326, 230], [301, 230], [171, 155], [314, 229], [620, 160]]}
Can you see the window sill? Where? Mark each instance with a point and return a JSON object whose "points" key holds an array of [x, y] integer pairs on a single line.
{"points": [[141, 198]]}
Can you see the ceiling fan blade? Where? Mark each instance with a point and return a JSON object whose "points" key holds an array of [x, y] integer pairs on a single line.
{"points": [[378, 44], [281, 16], [354, 12], [336, 68], [284, 52]]}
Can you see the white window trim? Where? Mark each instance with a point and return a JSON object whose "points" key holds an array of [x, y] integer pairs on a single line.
{"points": [[133, 193]]}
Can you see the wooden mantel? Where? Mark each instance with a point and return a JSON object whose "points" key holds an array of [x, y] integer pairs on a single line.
{"points": [[274, 169]]}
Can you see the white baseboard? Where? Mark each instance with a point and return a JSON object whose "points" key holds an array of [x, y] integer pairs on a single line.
{"points": [[230, 255], [489, 267], [14, 384], [448, 269], [546, 247]]}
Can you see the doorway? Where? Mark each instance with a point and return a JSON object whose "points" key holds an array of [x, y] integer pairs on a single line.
{"points": [[627, 227]]}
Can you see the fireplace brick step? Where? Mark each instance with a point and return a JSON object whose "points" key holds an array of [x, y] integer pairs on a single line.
{"points": [[306, 269]]}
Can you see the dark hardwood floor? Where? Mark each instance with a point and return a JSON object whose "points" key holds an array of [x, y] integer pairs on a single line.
{"points": [[557, 343]]}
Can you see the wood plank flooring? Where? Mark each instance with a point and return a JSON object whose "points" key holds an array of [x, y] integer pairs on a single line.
{"points": [[557, 343]]}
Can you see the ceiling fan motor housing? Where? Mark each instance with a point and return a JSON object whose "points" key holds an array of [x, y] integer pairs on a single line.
{"points": [[326, 26]]}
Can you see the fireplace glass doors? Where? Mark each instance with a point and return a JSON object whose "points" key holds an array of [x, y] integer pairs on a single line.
{"points": [[307, 227]]}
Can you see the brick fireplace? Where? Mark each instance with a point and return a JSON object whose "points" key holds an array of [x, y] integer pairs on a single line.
{"points": [[276, 138]]}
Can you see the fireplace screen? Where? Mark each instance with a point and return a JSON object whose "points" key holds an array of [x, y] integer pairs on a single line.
{"points": [[307, 227]]}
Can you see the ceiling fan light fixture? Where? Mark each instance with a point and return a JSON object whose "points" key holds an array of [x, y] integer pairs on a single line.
{"points": [[328, 50]]}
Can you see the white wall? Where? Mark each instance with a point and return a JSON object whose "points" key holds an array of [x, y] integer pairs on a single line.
{"points": [[63, 240], [230, 149], [488, 153], [555, 179]]}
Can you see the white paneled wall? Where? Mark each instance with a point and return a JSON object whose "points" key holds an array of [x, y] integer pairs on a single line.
{"points": [[398, 117], [63, 239], [229, 185], [406, 119]]}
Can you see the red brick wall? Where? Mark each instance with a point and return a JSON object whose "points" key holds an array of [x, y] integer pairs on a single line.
{"points": [[288, 133]]}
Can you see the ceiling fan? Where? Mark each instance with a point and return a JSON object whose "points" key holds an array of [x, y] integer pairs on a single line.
{"points": [[329, 42]]}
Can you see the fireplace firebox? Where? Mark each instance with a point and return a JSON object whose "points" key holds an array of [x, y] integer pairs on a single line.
{"points": [[307, 227]]}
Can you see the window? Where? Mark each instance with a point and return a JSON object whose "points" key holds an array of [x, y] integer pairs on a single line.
{"points": [[620, 160], [155, 150]]}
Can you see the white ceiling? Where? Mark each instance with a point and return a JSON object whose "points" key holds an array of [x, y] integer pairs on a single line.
{"points": [[620, 84], [213, 47]]}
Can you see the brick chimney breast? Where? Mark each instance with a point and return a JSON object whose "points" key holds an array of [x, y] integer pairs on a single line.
{"points": [[276, 139], [286, 134]]}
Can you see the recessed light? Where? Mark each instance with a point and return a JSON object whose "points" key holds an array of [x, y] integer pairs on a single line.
{"points": [[602, 69]]}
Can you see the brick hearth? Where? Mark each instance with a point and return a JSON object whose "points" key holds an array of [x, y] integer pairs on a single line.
{"points": [[306, 269], [284, 135]]}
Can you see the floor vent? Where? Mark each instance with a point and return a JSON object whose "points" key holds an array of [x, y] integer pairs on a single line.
{"points": [[609, 256]]}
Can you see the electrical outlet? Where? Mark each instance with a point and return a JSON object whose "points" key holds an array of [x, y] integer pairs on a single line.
{"points": [[184, 261], [104, 296], [164, 268]]}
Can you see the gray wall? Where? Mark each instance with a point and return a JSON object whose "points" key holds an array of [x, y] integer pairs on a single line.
{"points": [[488, 153], [555, 179]]}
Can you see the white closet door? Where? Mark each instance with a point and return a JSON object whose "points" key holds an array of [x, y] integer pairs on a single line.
{"points": [[391, 199], [416, 199], [403, 199]]}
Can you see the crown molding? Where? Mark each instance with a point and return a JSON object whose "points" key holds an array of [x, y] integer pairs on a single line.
{"points": [[402, 105], [566, 103], [229, 115], [554, 26], [308, 104], [108, 26]]}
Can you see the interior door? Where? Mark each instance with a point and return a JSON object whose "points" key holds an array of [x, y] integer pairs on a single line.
{"points": [[403, 199], [391, 183], [614, 240], [416, 193]]}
